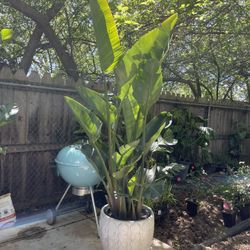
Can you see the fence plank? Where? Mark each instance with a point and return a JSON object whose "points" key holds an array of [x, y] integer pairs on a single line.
{"points": [[19, 133], [33, 120]]}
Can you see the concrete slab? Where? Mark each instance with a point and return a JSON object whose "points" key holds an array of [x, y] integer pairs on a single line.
{"points": [[73, 231]]}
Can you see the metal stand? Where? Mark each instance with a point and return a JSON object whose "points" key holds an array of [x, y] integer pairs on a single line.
{"points": [[52, 213], [60, 202], [93, 203]]}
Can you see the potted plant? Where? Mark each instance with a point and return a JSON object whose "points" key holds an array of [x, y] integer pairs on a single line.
{"points": [[228, 214], [192, 202], [227, 192], [228, 205], [242, 199], [198, 187], [118, 129], [160, 205]]}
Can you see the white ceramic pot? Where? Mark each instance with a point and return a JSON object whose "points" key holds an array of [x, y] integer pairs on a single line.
{"points": [[126, 235]]}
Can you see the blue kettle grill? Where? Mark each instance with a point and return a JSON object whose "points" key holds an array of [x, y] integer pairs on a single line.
{"points": [[74, 167]]}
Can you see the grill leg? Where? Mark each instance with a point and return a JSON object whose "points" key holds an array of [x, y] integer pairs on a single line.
{"points": [[93, 203], [60, 202], [51, 213]]}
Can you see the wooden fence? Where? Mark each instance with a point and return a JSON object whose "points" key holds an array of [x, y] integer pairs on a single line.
{"points": [[44, 125], [220, 115]]}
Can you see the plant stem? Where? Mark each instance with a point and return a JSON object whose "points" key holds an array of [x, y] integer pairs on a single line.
{"points": [[110, 141], [105, 170], [141, 176]]}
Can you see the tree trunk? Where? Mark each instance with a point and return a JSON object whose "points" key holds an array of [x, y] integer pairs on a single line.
{"points": [[43, 22], [248, 90], [35, 38]]}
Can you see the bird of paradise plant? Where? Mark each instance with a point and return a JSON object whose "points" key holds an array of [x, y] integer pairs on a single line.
{"points": [[119, 155]]}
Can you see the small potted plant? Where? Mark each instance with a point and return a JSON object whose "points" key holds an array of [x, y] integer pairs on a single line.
{"points": [[161, 204], [227, 194], [192, 202], [198, 186], [243, 198], [228, 214], [192, 207]]}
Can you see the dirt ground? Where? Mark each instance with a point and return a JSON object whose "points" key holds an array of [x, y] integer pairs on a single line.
{"points": [[181, 231]]}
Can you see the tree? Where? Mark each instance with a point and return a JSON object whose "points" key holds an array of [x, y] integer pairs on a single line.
{"points": [[50, 37], [208, 57]]}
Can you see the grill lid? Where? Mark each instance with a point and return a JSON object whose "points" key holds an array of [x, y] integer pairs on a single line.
{"points": [[72, 156]]}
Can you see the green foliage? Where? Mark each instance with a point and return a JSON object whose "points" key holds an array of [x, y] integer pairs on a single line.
{"points": [[105, 30], [90, 123], [161, 149], [240, 133], [243, 169], [165, 198], [138, 85], [227, 193], [96, 103], [235, 192], [208, 58], [242, 193], [6, 34], [193, 138]]}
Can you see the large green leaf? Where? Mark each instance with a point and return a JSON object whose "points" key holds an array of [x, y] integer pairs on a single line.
{"points": [[139, 77], [154, 128], [125, 152], [132, 184], [6, 34], [133, 118], [148, 87], [89, 122], [95, 159], [152, 45], [96, 103], [107, 38], [122, 173]]}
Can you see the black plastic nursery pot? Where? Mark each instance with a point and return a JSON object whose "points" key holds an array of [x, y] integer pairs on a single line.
{"points": [[160, 212], [245, 212], [192, 208], [229, 218]]}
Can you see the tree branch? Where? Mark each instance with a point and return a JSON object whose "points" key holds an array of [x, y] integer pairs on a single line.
{"points": [[43, 23], [34, 41], [208, 90], [185, 81], [229, 89]]}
